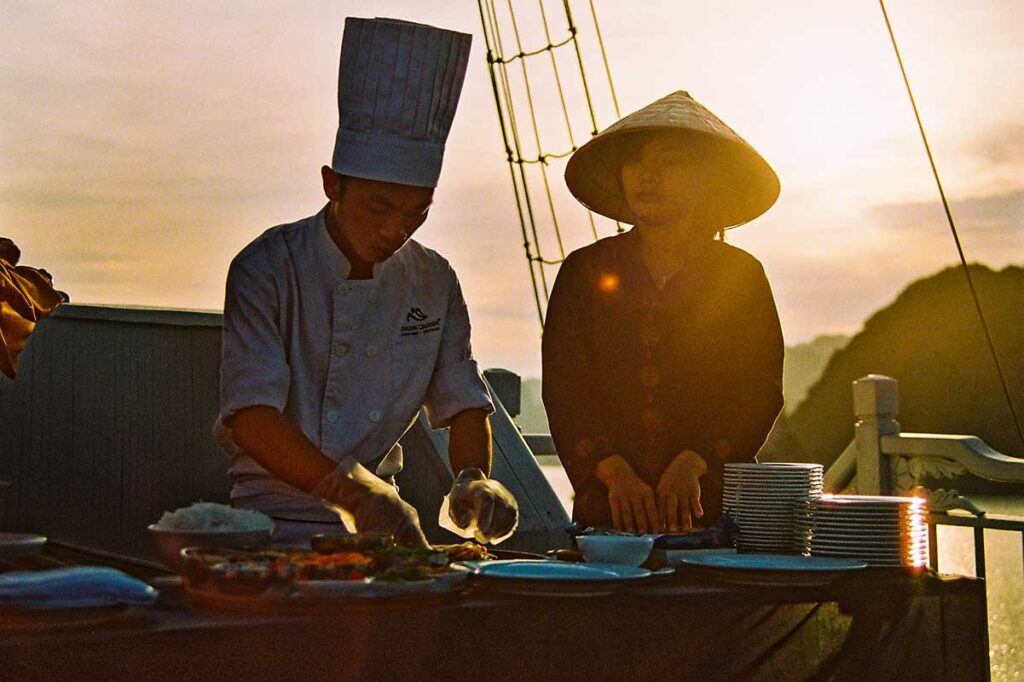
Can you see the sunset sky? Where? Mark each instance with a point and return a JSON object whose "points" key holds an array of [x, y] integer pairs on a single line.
{"points": [[142, 144]]}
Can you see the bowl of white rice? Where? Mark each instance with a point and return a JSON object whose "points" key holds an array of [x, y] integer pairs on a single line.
{"points": [[207, 524]]}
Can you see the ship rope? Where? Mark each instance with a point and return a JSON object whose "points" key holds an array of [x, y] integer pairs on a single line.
{"points": [[515, 135], [953, 229]]}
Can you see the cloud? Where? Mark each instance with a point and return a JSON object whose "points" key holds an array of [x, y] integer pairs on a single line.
{"points": [[994, 216], [1002, 146]]}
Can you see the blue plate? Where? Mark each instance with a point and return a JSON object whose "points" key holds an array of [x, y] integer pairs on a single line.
{"points": [[773, 562], [526, 569]]}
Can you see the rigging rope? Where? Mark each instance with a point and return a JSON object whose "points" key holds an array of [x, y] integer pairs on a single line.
{"points": [[956, 235], [508, 152], [604, 58], [536, 129], [511, 131]]}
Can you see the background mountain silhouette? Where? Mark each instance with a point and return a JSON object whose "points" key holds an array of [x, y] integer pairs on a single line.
{"points": [[931, 341], [804, 364]]}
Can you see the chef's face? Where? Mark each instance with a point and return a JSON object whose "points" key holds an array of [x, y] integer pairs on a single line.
{"points": [[661, 180], [375, 218]]}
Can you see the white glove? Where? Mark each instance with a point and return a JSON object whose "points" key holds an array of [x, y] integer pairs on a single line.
{"points": [[370, 506], [479, 507]]}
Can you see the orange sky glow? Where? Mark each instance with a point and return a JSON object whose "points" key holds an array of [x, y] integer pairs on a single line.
{"points": [[143, 144]]}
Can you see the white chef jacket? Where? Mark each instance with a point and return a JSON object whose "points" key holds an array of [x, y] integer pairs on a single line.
{"points": [[351, 362]]}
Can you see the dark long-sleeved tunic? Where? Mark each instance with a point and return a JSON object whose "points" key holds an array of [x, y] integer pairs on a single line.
{"points": [[645, 373]]}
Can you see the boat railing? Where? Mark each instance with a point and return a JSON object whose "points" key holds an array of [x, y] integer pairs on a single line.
{"points": [[883, 460]]}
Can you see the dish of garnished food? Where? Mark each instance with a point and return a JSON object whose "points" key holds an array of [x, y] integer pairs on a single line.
{"points": [[379, 570]]}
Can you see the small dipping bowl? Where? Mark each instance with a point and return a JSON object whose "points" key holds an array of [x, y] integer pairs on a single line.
{"points": [[626, 550]]}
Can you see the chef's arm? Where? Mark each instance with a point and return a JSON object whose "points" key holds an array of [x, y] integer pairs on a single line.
{"points": [[277, 445], [469, 441]]}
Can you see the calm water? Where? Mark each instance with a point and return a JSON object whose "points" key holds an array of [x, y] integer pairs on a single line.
{"points": [[956, 555]]}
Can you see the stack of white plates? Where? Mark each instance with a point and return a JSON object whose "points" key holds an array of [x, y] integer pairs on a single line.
{"points": [[761, 499], [879, 530]]}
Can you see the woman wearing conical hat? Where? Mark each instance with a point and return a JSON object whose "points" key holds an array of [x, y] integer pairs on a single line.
{"points": [[662, 346]]}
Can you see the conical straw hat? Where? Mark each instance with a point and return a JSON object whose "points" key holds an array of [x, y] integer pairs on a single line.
{"points": [[743, 185]]}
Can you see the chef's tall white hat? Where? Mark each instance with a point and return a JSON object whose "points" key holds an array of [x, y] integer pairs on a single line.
{"points": [[398, 87]]}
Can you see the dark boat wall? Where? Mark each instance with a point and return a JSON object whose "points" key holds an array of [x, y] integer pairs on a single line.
{"points": [[109, 424]]}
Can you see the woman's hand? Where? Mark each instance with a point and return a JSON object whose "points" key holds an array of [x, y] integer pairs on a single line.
{"points": [[679, 491], [630, 498]]}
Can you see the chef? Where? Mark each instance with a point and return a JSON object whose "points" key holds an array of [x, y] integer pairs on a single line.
{"points": [[339, 328]]}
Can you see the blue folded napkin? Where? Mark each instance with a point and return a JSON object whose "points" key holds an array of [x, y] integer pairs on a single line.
{"points": [[77, 587]]}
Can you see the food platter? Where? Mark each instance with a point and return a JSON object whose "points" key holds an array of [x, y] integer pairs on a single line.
{"points": [[268, 580]]}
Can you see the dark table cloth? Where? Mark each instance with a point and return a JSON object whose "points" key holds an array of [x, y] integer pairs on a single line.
{"points": [[873, 625]]}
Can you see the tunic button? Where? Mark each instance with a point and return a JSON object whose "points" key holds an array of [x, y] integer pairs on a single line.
{"points": [[650, 376], [652, 419], [332, 416], [371, 350], [340, 349], [374, 297], [375, 416]]}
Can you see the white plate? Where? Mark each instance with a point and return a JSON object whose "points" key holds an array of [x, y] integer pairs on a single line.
{"points": [[864, 556], [20, 544], [847, 536], [795, 495], [774, 527], [541, 570], [773, 466], [889, 524], [768, 477], [868, 527], [867, 539], [767, 528], [773, 475], [865, 529], [854, 512], [761, 479], [873, 499]]}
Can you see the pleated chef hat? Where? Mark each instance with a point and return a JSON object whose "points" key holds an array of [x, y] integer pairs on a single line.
{"points": [[398, 87]]}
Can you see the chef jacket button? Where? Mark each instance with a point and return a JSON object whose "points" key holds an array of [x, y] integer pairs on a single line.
{"points": [[375, 416], [340, 349], [374, 297], [332, 416], [371, 351]]}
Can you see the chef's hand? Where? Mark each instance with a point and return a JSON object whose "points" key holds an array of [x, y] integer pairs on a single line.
{"points": [[481, 507], [367, 504], [630, 498], [679, 491]]}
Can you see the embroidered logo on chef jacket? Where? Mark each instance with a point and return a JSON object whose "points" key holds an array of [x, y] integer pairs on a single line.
{"points": [[422, 324]]}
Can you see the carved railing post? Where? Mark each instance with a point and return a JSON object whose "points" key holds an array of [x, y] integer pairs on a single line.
{"points": [[875, 403]]}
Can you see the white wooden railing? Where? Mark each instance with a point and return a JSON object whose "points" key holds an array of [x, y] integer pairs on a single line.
{"points": [[882, 460]]}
